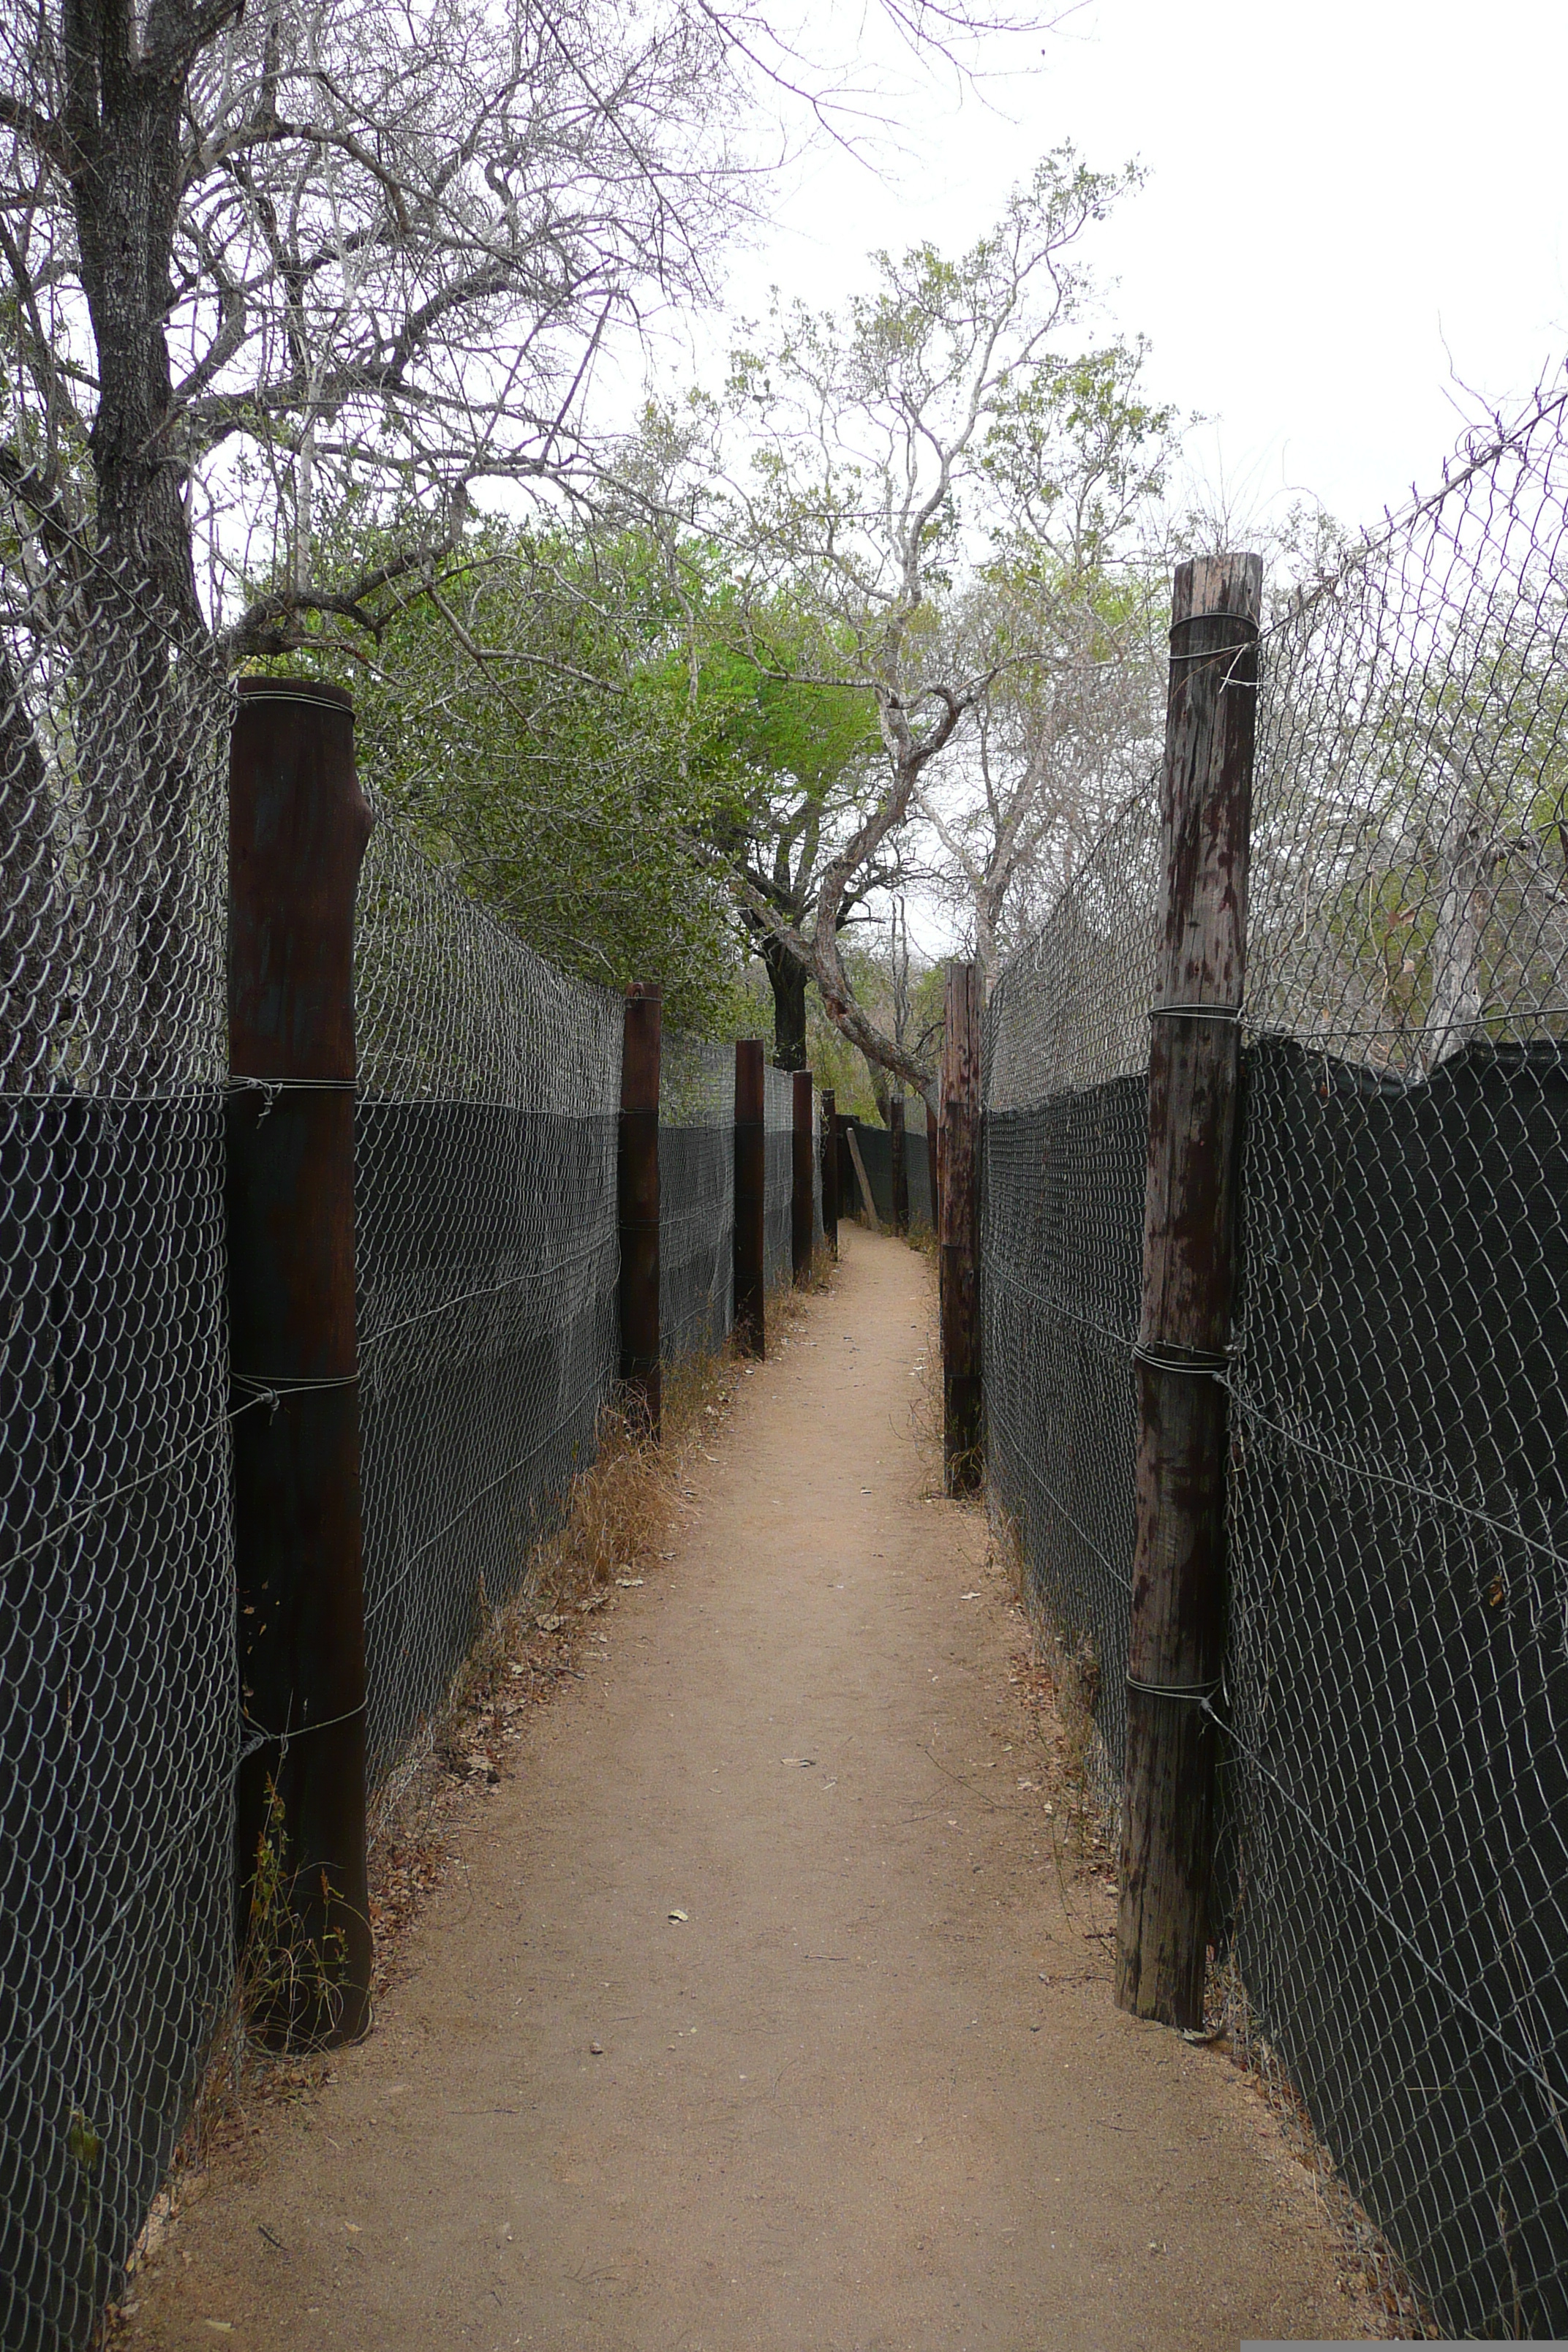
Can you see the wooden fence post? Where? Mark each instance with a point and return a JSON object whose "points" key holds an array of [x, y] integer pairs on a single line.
{"points": [[801, 1235], [298, 831], [830, 1171], [1175, 1650], [637, 1199], [751, 1198], [958, 1151], [898, 1156]]}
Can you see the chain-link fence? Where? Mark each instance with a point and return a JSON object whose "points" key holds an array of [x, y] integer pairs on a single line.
{"points": [[1393, 1894], [118, 1710], [487, 1263], [778, 1120], [1065, 1140], [876, 1157], [696, 1195], [485, 1136]]}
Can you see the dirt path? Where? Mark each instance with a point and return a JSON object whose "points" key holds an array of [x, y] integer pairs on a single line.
{"points": [[869, 2090]]}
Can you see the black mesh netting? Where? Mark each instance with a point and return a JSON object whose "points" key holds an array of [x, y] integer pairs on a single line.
{"points": [[877, 1157], [1064, 1142], [696, 1195], [778, 1112], [486, 1251], [118, 1713], [1396, 1681]]}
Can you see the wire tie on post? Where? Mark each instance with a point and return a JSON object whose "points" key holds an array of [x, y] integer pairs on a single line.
{"points": [[1248, 639], [1199, 1691], [1184, 1360], [1194, 1012], [271, 1393], [270, 1088]]}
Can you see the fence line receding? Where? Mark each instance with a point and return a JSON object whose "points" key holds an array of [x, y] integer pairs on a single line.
{"points": [[485, 1133], [1392, 1891]]}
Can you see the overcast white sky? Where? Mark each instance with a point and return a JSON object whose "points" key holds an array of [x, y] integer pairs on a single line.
{"points": [[1345, 203]]}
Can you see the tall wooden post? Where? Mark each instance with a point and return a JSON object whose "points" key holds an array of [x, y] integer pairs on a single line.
{"points": [[830, 1171], [800, 1234], [751, 1198], [958, 1149], [638, 1193], [899, 1156], [298, 829], [1175, 1651]]}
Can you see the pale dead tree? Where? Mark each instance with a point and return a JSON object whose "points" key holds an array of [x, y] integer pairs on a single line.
{"points": [[1062, 740], [893, 449]]}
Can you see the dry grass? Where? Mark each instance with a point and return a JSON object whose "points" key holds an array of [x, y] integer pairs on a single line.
{"points": [[1369, 2261]]}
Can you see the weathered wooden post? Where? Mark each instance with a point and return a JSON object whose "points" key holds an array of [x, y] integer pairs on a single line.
{"points": [[800, 1202], [298, 829], [830, 1171], [898, 1155], [637, 1196], [751, 1198], [1175, 1655], [958, 1151]]}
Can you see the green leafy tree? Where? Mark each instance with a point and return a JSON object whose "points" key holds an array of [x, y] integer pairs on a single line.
{"points": [[942, 486]]}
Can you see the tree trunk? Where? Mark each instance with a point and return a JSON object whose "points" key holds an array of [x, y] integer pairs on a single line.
{"points": [[788, 980], [144, 699], [125, 122]]}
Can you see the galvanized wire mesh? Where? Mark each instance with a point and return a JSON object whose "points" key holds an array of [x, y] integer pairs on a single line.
{"points": [[486, 1253], [118, 1716], [778, 1119], [1395, 1889], [1065, 1142], [1398, 1682], [696, 1195]]}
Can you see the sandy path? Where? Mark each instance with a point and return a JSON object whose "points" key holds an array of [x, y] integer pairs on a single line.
{"points": [[836, 2106]]}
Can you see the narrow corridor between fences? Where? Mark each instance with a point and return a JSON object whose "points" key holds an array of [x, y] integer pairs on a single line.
{"points": [[766, 2011]]}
